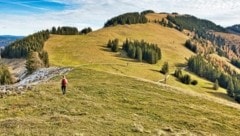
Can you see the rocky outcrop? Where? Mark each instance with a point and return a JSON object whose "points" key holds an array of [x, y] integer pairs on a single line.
{"points": [[27, 83]]}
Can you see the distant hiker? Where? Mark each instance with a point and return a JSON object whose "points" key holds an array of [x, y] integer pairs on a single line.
{"points": [[64, 83]]}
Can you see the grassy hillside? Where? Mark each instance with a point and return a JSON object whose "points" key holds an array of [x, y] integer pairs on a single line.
{"points": [[98, 103], [109, 94], [80, 46], [90, 51]]}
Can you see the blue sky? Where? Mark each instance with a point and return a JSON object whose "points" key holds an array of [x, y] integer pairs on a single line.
{"points": [[23, 17]]}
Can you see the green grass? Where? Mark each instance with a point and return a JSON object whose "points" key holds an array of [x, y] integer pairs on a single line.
{"points": [[90, 51], [98, 103]]}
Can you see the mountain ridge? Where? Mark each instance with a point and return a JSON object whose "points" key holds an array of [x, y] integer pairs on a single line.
{"points": [[8, 39]]}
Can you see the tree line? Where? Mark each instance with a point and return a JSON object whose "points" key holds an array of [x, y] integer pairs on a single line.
{"points": [[127, 18], [203, 30], [21, 48], [66, 30], [140, 50], [202, 68], [194, 24]]}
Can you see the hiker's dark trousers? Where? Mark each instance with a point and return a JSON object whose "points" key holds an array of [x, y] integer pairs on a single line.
{"points": [[64, 90]]}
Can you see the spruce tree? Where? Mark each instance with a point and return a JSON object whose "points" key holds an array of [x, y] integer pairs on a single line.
{"points": [[33, 62], [165, 68], [139, 54], [216, 85], [230, 89]]}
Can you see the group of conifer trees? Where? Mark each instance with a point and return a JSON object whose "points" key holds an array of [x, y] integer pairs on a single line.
{"points": [[66, 30], [186, 78], [142, 50], [128, 18], [113, 45], [199, 66]]}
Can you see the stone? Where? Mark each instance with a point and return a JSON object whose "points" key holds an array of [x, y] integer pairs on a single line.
{"points": [[137, 128], [159, 132]]}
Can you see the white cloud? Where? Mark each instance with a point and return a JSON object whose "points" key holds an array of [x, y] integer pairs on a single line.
{"points": [[94, 13]]}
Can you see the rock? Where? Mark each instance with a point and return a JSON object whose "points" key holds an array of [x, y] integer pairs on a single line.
{"points": [[168, 129], [148, 131], [137, 128], [159, 132], [9, 92], [20, 88]]}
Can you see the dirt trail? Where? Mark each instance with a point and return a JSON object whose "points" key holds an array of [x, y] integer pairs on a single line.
{"points": [[188, 92]]}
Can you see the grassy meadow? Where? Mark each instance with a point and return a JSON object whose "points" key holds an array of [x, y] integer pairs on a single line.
{"points": [[98, 103]]}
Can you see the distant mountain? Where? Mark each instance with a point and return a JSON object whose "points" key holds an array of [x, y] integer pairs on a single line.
{"points": [[234, 29], [7, 39]]}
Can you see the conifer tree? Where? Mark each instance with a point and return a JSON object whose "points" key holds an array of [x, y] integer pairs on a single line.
{"points": [[165, 68], [33, 62], [139, 54], [216, 85]]}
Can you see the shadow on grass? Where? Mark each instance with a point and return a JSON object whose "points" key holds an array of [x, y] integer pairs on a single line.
{"points": [[154, 70], [209, 88], [127, 59], [181, 65], [221, 95], [106, 49]]}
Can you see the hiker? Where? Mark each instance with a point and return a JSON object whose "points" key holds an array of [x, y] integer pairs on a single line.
{"points": [[64, 83]]}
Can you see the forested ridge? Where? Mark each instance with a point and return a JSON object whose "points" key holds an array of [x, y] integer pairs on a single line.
{"points": [[127, 18], [21, 48], [202, 68]]}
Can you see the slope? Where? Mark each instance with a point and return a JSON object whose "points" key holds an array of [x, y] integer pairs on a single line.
{"points": [[98, 103], [90, 51]]}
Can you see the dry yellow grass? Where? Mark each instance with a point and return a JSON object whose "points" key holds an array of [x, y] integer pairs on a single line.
{"points": [[91, 48], [90, 51]]}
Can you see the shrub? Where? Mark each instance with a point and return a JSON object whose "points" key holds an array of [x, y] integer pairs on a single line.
{"points": [[178, 73], [5, 75], [186, 79], [194, 82]]}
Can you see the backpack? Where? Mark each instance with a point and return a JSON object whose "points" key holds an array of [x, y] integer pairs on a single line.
{"points": [[64, 82]]}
